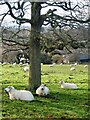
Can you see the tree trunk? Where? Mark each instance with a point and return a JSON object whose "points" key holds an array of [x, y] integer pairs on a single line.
{"points": [[35, 62]]}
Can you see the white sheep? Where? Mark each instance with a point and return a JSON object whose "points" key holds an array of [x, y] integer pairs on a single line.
{"points": [[75, 64], [68, 85], [20, 63], [14, 63], [85, 66], [25, 64], [25, 69], [4, 63], [22, 59], [52, 65], [41, 63], [19, 94], [42, 90], [72, 68]]}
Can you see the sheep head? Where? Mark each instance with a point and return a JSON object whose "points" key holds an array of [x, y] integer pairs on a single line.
{"points": [[9, 88]]}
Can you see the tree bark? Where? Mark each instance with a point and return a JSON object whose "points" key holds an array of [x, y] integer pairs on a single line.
{"points": [[35, 62]]}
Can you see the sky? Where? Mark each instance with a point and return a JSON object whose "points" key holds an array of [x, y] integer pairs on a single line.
{"points": [[10, 21]]}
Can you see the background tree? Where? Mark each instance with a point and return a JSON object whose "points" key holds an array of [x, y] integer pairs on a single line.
{"points": [[72, 13]]}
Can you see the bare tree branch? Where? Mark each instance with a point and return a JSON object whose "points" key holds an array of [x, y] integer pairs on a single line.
{"points": [[21, 19]]}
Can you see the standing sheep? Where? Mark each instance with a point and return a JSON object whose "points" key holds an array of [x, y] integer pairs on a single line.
{"points": [[19, 94]]}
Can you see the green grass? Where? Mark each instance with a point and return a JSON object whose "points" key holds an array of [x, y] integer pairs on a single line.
{"points": [[61, 103]]}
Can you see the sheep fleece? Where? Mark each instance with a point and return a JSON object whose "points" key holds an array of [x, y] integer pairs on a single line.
{"points": [[21, 95]]}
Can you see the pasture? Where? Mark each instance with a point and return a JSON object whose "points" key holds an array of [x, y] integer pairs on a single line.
{"points": [[61, 103]]}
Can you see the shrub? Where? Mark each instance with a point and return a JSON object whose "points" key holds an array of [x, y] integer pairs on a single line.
{"points": [[57, 58], [45, 58]]}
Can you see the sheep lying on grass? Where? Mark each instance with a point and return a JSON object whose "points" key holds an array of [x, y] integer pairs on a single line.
{"points": [[75, 64], [68, 85], [85, 66], [26, 69], [19, 94], [42, 90], [51, 65], [72, 68]]}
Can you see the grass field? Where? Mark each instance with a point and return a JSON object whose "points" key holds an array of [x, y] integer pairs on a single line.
{"points": [[61, 103]]}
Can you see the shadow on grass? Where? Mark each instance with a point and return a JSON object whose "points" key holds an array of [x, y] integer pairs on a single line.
{"points": [[65, 102]]}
